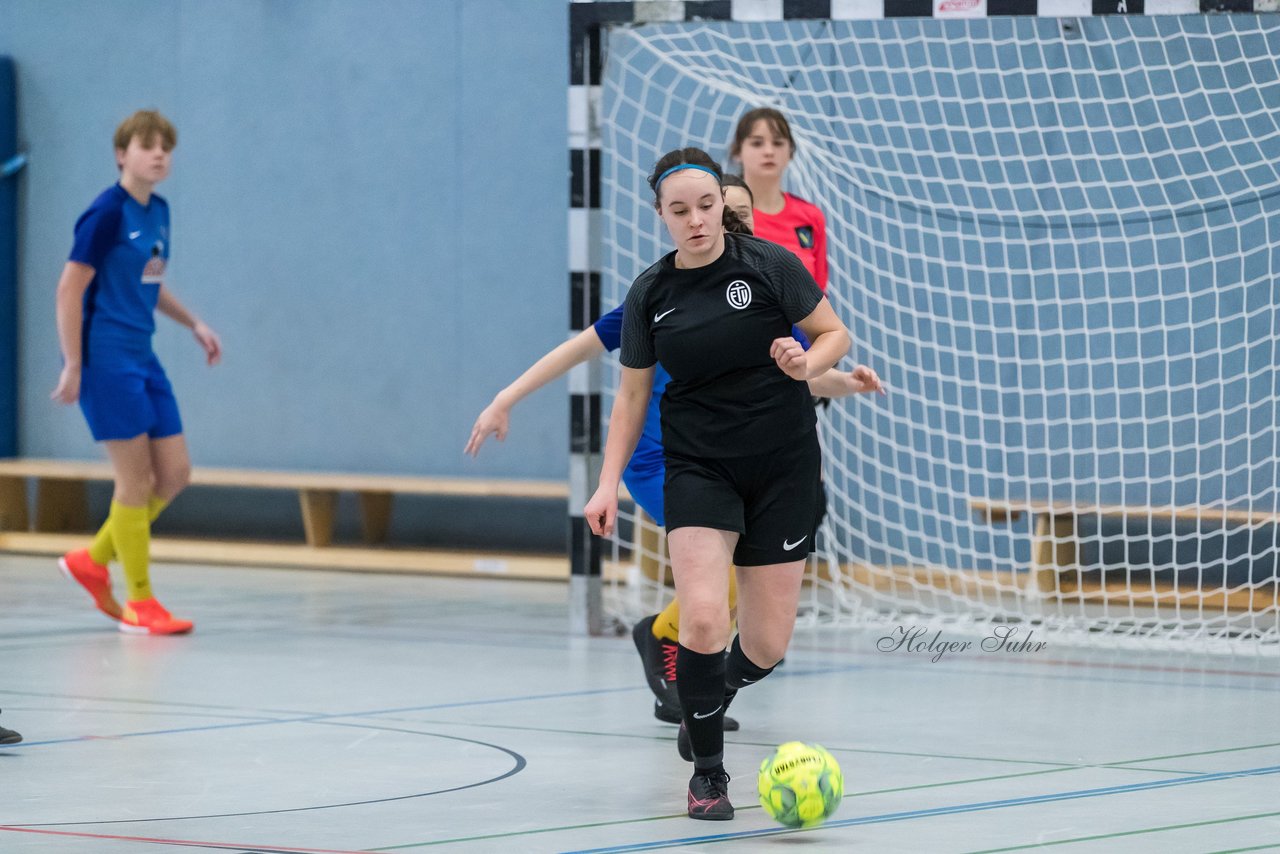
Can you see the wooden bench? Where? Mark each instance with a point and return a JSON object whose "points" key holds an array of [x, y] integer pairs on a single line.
{"points": [[649, 549], [61, 507], [1055, 570]]}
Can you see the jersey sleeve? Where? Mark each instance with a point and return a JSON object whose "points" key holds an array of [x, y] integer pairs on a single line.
{"points": [[609, 328], [798, 293], [96, 232], [637, 337]]}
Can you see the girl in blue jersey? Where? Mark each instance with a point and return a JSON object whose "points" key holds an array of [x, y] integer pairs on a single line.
{"points": [[111, 287]]}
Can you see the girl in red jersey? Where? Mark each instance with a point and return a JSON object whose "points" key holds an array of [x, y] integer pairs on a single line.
{"points": [[763, 144]]}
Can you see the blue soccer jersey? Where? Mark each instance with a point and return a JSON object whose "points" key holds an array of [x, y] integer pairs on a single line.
{"points": [[645, 469], [124, 392], [127, 245]]}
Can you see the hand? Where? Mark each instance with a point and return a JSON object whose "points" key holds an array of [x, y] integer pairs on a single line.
{"points": [[602, 511], [209, 342], [791, 358], [863, 380], [68, 390], [495, 419]]}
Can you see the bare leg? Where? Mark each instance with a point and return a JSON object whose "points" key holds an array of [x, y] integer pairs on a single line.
{"points": [[700, 560], [170, 466], [131, 463], [767, 600]]}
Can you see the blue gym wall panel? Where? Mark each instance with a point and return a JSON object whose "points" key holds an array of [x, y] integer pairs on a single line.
{"points": [[8, 263]]}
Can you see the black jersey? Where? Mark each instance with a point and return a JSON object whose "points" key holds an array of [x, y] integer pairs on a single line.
{"points": [[712, 327]]}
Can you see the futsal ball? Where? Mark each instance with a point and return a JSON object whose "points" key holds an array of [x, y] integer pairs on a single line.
{"points": [[800, 784]]}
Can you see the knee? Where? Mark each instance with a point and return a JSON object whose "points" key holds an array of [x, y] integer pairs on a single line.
{"points": [[764, 652], [170, 482], [704, 627], [132, 490]]}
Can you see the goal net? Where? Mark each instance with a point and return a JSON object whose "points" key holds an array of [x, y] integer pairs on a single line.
{"points": [[1057, 241]]}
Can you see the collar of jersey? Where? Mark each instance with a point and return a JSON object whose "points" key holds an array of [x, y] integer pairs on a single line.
{"points": [[669, 264]]}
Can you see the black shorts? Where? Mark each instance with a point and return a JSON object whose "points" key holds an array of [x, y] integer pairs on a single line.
{"points": [[773, 499]]}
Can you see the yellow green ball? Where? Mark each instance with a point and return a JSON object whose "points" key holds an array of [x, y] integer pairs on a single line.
{"points": [[800, 785]]}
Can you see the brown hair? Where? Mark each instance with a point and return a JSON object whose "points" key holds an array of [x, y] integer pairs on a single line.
{"points": [[680, 157], [777, 123], [733, 223], [146, 125]]}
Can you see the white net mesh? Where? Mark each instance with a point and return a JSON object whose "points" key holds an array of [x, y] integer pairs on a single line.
{"points": [[1057, 242]]}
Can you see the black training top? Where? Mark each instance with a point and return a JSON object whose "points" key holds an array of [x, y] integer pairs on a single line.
{"points": [[711, 327]]}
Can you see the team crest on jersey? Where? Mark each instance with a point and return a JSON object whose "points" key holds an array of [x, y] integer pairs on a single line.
{"points": [[804, 234], [153, 273], [738, 294]]}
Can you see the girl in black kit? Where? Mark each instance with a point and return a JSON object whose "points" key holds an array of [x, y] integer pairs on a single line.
{"points": [[741, 444]]}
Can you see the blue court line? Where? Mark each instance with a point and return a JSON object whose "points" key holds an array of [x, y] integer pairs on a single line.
{"points": [[69, 633], [936, 811], [152, 702], [310, 718]]}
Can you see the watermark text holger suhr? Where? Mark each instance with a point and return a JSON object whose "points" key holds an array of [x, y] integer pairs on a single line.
{"points": [[1002, 639]]}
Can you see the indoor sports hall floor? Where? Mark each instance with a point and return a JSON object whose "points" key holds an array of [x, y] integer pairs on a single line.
{"points": [[317, 711]]}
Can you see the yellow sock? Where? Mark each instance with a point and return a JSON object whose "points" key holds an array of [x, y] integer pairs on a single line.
{"points": [[131, 534], [155, 506], [667, 624], [102, 550]]}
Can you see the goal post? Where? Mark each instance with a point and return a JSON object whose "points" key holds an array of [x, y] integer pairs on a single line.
{"points": [[1058, 241]]}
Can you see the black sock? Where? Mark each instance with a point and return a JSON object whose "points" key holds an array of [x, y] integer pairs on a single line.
{"points": [[740, 671], [700, 684]]}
